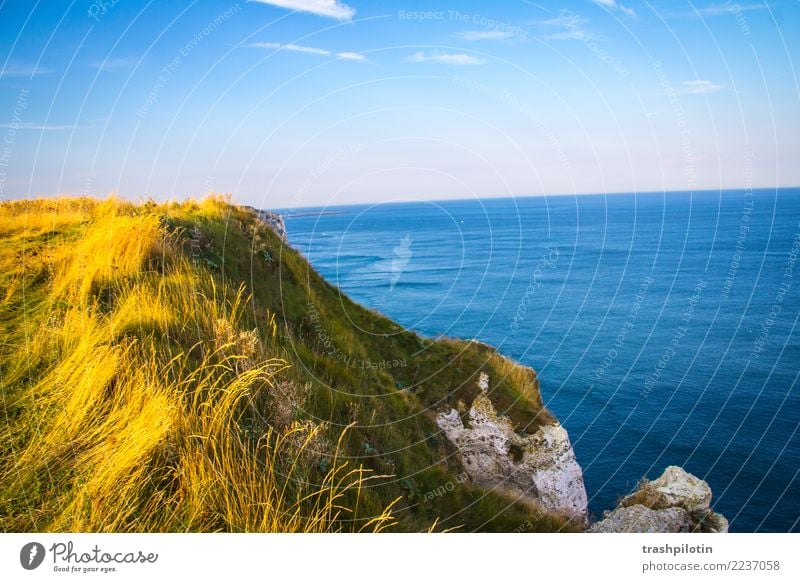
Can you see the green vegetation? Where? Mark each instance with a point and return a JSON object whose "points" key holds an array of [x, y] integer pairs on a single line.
{"points": [[176, 367]]}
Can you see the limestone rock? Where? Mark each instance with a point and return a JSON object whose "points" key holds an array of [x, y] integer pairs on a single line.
{"points": [[675, 502], [674, 488], [483, 381], [641, 519], [541, 467], [273, 220], [710, 522]]}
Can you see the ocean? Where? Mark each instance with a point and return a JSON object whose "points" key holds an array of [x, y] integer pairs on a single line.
{"points": [[663, 326]]}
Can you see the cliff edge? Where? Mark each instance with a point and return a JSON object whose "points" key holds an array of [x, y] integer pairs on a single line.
{"points": [[539, 467]]}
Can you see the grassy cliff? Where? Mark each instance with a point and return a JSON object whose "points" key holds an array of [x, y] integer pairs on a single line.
{"points": [[177, 367]]}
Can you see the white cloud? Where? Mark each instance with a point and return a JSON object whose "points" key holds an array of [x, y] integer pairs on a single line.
{"points": [[564, 18], [36, 126], [573, 33], [716, 10], [23, 71], [699, 87], [328, 8], [722, 9], [310, 50], [572, 25], [298, 48], [614, 5], [570, 35], [348, 56], [446, 58], [486, 34]]}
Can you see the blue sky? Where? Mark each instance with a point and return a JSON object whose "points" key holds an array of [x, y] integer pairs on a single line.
{"points": [[290, 103]]}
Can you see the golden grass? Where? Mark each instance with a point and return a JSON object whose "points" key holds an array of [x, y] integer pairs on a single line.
{"points": [[33, 218], [130, 388], [112, 248]]}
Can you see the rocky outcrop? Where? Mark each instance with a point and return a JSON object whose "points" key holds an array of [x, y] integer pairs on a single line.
{"points": [[272, 219], [675, 502], [675, 488], [641, 519], [539, 467]]}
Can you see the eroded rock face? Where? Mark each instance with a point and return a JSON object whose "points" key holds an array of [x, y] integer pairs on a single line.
{"points": [[274, 220], [541, 467], [641, 519], [676, 501]]}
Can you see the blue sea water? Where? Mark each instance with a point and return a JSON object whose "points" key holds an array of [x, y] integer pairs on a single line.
{"points": [[663, 326]]}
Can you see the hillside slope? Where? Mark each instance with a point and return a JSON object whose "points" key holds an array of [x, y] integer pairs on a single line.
{"points": [[178, 367]]}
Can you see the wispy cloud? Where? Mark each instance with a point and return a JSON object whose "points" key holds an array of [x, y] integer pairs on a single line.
{"points": [[348, 56], [37, 126], [574, 34], [310, 50], [114, 65], [729, 8], [23, 71], [486, 34], [292, 47], [327, 8], [565, 17], [446, 58], [614, 5], [569, 26], [720, 9], [699, 87]]}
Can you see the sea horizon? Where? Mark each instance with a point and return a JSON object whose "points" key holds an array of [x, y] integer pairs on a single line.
{"points": [[289, 211]]}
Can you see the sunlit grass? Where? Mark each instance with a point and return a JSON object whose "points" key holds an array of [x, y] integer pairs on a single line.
{"points": [[131, 387]]}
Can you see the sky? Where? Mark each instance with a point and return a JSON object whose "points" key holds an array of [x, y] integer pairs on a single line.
{"points": [[293, 103]]}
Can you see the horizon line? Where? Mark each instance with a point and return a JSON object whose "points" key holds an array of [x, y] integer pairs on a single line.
{"points": [[516, 196], [132, 198]]}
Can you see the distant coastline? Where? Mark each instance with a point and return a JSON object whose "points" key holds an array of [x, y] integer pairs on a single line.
{"points": [[320, 213]]}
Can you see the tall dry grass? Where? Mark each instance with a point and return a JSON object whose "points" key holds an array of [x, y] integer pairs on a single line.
{"points": [[132, 393]]}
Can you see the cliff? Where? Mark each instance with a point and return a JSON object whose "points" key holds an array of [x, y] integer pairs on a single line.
{"points": [[273, 220]]}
